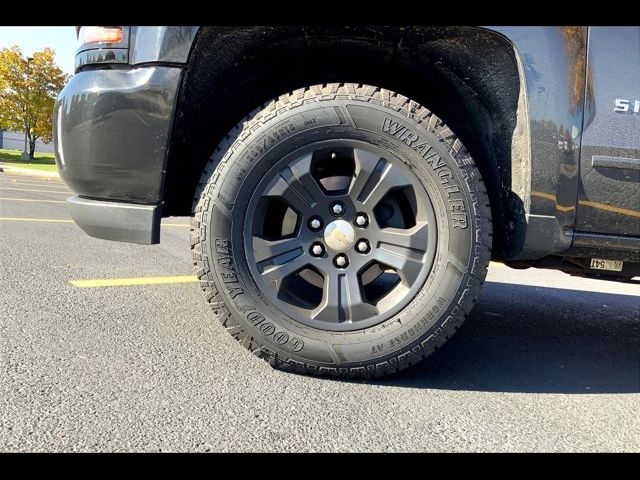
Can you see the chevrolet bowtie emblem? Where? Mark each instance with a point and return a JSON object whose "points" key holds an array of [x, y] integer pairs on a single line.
{"points": [[339, 235]]}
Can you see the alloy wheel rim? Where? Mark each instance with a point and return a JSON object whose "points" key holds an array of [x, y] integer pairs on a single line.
{"points": [[340, 235]]}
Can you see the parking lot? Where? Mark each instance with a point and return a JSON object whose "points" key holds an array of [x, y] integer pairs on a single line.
{"points": [[547, 362]]}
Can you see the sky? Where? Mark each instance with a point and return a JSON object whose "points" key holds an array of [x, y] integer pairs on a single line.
{"points": [[33, 39]]}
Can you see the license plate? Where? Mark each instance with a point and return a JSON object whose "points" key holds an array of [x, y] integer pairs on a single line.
{"points": [[602, 264]]}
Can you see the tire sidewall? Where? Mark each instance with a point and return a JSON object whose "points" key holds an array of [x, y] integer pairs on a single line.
{"points": [[445, 176]]}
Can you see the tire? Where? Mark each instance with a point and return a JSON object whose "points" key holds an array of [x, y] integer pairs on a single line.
{"points": [[366, 343]]}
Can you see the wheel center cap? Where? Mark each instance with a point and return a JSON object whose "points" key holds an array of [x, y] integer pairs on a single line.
{"points": [[339, 235]]}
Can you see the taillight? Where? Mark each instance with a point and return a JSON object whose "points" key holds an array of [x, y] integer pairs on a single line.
{"points": [[99, 35]]}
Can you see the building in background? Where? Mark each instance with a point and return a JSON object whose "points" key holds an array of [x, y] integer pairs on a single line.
{"points": [[15, 141]]}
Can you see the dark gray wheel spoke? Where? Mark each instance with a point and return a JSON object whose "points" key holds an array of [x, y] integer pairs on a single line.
{"points": [[303, 182], [297, 186], [342, 300], [358, 307], [275, 274], [414, 238], [366, 163], [266, 250], [406, 266], [390, 178], [282, 189], [331, 307]]}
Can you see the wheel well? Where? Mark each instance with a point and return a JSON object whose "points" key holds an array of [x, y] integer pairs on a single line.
{"points": [[468, 76]]}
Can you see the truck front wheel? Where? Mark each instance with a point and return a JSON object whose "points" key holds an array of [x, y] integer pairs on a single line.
{"points": [[341, 229]]}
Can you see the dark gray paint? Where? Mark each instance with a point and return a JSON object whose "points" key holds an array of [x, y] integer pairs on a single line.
{"points": [[115, 130], [614, 72], [550, 62], [161, 44], [553, 73], [148, 44], [568, 194], [231, 70]]}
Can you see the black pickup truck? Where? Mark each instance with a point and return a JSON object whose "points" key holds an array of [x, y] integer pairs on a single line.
{"points": [[348, 186]]}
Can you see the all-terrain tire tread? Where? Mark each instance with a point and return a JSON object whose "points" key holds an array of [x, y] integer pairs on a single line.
{"points": [[480, 214]]}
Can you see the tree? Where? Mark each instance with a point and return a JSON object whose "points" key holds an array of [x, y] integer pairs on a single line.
{"points": [[28, 89]]}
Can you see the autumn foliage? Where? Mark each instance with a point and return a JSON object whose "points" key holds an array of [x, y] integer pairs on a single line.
{"points": [[28, 90]]}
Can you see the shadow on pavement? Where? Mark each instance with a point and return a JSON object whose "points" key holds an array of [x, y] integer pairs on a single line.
{"points": [[538, 340]]}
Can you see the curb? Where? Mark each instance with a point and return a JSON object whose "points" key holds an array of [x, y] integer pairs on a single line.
{"points": [[27, 171]]}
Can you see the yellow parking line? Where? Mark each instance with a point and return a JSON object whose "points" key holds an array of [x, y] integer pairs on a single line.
{"points": [[31, 200], [126, 282], [24, 219], [33, 184], [60, 220], [33, 190], [53, 188], [122, 282], [497, 264], [24, 178]]}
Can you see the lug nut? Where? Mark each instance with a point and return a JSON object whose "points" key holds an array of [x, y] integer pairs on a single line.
{"points": [[317, 249], [362, 246], [341, 261], [315, 223], [337, 209], [361, 220]]}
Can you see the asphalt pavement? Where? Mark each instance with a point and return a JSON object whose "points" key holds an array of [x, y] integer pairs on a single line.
{"points": [[546, 362]]}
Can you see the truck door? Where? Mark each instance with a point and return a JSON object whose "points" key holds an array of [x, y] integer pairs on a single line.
{"points": [[609, 192]]}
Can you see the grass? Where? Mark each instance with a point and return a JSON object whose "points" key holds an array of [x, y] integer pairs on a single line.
{"points": [[42, 161]]}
